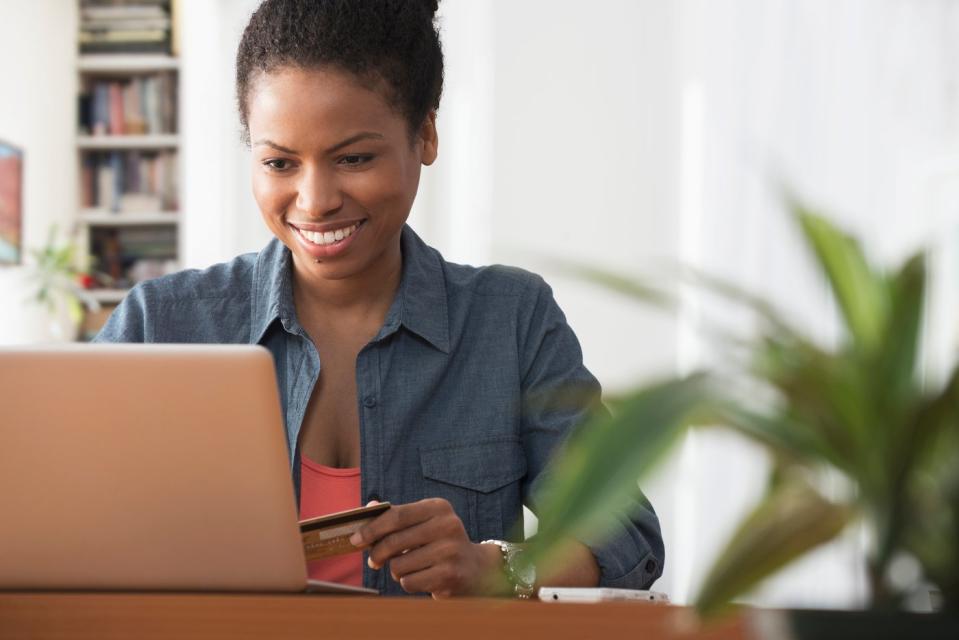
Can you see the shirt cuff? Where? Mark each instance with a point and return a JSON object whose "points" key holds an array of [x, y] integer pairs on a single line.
{"points": [[626, 560]]}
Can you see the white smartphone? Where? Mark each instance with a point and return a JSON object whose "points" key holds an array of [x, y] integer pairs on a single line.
{"points": [[600, 594]]}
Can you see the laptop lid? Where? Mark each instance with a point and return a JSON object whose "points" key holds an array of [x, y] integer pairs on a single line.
{"points": [[145, 467]]}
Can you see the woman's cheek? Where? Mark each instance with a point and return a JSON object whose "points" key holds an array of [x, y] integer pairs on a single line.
{"points": [[268, 200], [385, 192]]}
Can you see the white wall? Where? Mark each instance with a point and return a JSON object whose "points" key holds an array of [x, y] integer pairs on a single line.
{"points": [[37, 112], [585, 161], [220, 218]]}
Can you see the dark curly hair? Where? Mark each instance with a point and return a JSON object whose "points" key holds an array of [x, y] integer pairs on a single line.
{"points": [[390, 43]]}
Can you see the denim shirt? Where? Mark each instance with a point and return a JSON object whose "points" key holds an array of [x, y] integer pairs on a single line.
{"points": [[442, 389]]}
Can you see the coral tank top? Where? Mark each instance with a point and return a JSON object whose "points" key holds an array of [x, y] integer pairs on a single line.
{"points": [[326, 490]]}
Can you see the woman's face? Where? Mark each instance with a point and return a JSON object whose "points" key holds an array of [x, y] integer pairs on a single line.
{"points": [[334, 170]]}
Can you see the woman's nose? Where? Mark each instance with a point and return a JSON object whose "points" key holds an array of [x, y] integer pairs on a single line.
{"points": [[318, 193]]}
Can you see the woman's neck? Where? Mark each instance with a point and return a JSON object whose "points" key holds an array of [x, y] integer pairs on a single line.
{"points": [[361, 298]]}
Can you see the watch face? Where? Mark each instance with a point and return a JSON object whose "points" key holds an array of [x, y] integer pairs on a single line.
{"points": [[523, 572], [527, 575]]}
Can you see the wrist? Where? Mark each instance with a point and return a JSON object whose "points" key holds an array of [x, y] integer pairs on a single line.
{"points": [[493, 580], [518, 574]]}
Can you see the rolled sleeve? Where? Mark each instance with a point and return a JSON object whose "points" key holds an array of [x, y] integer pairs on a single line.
{"points": [[632, 555]]}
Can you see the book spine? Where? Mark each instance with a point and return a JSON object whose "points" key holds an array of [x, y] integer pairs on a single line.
{"points": [[104, 183], [85, 113], [116, 109], [116, 164], [153, 105], [88, 181], [101, 109]]}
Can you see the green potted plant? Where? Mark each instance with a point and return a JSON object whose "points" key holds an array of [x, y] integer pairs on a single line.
{"points": [[859, 408], [60, 286]]}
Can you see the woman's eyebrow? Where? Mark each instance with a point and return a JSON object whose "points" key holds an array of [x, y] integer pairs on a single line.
{"points": [[363, 135], [278, 147]]}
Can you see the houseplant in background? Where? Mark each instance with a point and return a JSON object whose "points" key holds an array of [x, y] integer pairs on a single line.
{"points": [[60, 287], [859, 409]]}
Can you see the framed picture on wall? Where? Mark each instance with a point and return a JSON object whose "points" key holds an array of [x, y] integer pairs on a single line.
{"points": [[11, 204]]}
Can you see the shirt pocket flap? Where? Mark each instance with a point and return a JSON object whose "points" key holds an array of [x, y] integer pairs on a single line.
{"points": [[479, 466]]}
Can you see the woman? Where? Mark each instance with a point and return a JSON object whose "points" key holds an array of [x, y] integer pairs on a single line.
{"points": [[442, 383]]}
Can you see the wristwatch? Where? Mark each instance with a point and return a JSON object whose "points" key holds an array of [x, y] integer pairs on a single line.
{"points": [[520, 573]]}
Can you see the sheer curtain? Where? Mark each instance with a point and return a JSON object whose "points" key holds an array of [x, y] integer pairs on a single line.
{"points": [[854, 105]]}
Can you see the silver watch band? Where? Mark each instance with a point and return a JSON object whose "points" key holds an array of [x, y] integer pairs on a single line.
{"points": [[523, 578]]}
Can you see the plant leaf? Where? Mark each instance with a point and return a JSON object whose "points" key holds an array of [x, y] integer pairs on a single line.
{"points": [[896, 388], [596, 474], [630, 287], [860, 293], [737, 294], [779, 433], [824, 394], [792, 519]]}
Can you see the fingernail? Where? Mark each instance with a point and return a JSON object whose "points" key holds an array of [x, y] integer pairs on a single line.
{"points": [[371, 564], [356, 539]]}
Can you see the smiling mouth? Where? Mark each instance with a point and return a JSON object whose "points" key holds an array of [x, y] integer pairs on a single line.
{"points": [[327, 238]]}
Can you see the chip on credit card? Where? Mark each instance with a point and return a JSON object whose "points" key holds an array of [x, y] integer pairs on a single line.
{"points": [[329, 535]]}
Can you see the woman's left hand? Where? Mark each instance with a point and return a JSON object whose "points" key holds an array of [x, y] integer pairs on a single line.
{"points": [[428, 550]]}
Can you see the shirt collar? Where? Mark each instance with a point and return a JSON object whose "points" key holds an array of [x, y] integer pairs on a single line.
{"points": [[272, 297], [420, 304], [421, 299]]}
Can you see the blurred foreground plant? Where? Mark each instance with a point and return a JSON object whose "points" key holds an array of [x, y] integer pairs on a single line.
{"points": [[858, 408]]}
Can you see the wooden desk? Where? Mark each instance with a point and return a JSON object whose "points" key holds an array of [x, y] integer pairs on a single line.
{"points": [[128, 615]]}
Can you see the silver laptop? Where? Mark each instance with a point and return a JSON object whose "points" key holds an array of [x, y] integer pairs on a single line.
{"points": [[150, 467]]}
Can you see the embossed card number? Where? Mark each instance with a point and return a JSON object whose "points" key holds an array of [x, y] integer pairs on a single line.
{"points": [[329, 535]]}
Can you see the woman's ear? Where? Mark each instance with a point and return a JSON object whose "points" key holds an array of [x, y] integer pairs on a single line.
{"points": [[429, 140]]}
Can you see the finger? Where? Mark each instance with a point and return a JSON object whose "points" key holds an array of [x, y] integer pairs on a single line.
{"points": [[438, 579], [395, 518], [418, 559], [395, 544]]}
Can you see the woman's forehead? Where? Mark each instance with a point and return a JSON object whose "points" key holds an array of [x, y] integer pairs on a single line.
{"points": [[317, 104]]}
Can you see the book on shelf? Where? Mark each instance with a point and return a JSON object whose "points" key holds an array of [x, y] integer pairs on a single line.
{"points": [[124, 256], [142, 104], [142, 27], [122, 9], [129, 181], [125, 24]]}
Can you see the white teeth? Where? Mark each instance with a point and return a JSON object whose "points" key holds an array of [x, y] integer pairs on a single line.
{"points": [[329, 237]]}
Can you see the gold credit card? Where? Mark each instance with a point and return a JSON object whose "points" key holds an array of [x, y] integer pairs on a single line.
{"points": [[329, 535]]}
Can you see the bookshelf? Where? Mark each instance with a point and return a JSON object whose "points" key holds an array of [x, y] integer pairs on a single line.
{"points": [[127, 146], [126, 63], [128, 141]]}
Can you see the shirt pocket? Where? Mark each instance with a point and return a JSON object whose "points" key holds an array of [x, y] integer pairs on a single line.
{"points": [[481, 480]]}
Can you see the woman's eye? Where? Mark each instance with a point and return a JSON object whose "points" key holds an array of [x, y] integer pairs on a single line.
{"points": [[278, 164], [355, 160]]}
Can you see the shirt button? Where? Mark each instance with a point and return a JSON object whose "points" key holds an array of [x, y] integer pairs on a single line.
{"points": [[369, 402], [650, 566]]}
